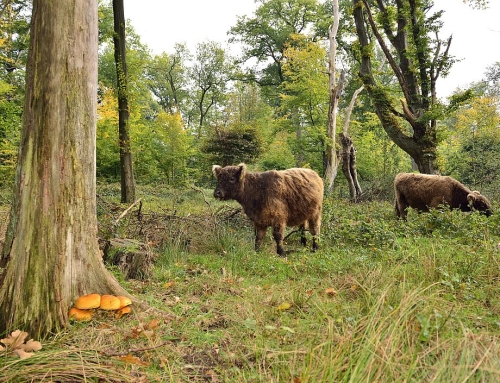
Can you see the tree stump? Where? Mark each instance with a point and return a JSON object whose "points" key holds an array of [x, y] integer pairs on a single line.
{"points": [[134, 259]]}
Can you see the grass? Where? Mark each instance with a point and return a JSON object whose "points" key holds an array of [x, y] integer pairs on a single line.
{"points": [[383, 300]]}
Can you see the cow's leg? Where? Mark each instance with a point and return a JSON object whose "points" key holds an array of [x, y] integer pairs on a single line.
{"points": [[303, 239], [315, 228], [278, 235], [400, 207], [399, 213], [260, 233]]}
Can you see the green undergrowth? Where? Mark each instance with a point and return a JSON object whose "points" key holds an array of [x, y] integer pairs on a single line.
{"points": [[383, 300]]}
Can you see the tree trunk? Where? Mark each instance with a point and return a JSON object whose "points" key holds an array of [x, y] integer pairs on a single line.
{"points": [[349, 153], [332, 161], [417, 102], [51, 255], [126, 166], [349, 166]]}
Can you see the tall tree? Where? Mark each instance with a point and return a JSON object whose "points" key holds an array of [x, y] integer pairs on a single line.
{"points": [[408, 36], [335, 90], [126, 165], [167, 75], [304, 99], [266, 35], [210, 73], [51, 254]]}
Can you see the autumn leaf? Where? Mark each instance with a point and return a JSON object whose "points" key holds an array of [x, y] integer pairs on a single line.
{"points": [[129, 358], [32, 345], [21, 353], [330, 291], [152, 324], [148, 333], [168, 284], [284, 306], [15, 339], [211, 375], [14, 344]]}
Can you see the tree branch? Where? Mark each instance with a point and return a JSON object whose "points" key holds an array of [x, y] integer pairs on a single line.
{"points": [[387, 53], [349, 109]]}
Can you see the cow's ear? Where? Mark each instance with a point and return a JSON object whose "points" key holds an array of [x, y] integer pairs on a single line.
{"points": [[471, 197], [216, 170], [242, 168]]}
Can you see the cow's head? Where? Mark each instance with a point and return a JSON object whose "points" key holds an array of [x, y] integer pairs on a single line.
{"points": [[479, 202], [229, 181]]}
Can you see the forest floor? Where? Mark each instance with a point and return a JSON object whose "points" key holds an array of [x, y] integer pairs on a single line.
{"points": [[382, 300]]}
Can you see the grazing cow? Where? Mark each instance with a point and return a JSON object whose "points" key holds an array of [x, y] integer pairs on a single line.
{"points": [[424, 191], [292, 197]]}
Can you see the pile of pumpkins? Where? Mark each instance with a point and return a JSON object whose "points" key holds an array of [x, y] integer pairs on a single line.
{"points": [[85, 306]]}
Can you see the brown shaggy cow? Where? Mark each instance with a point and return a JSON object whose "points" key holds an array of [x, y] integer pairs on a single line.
{"points": [[292, 197], [424, 191]]}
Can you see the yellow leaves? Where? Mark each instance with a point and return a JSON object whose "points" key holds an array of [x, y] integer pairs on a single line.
{"points": [[284, 306], [169, 284], [482, 114], [107, 109], [330, 291], [153, 324], [15, 344], [129, 358]]}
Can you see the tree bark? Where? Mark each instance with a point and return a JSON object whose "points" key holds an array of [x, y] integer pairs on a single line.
{"points": [[349, 153], [126, 165], [51, 254], [332, 161], [416, 80]]}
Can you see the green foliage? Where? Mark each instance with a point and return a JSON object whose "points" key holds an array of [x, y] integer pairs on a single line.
{"points": [[162, 150], [168, 80], [10, 126], [378, 158], [14, 41], [210, 74], [477, 160], [304, 99], [265, 36], [278, 154], [233, 145], [107, 150], [471, 141]]}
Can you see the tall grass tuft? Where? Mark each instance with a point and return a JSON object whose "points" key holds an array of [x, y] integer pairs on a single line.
{"points": [[406, 341], [72, 365]]}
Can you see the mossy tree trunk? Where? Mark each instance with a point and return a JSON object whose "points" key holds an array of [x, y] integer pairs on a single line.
{"points": [[51, 255], [126, 165], [408, 36]]}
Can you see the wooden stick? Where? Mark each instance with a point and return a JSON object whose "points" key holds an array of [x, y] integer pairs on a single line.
{"points": [[126, 211]]}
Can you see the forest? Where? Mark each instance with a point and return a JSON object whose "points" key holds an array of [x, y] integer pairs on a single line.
{"points": [[189, 110], [344, 87]]}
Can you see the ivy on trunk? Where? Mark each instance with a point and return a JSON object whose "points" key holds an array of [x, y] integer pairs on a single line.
{"points": [[410, 43]]}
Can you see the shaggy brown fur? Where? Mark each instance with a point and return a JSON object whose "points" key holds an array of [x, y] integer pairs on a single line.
{"points": [[424, 191], [292, 197]]}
